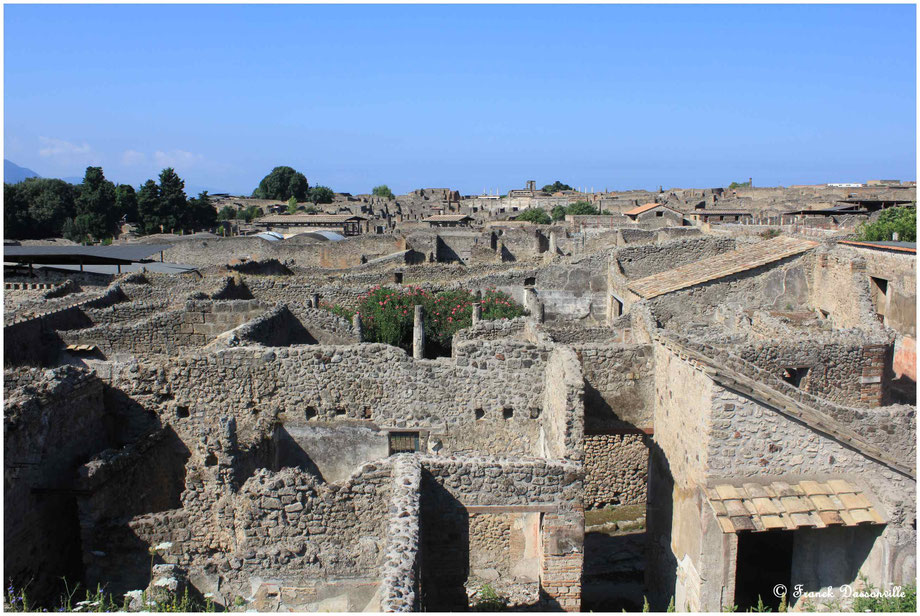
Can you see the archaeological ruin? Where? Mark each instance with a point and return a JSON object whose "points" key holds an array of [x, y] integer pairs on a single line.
{"points": [[687, 412]]}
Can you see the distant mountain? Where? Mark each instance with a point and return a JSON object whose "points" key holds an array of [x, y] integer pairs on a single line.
{"points": [[13, 173]]}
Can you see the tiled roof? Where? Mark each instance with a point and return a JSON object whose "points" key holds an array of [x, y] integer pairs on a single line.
{"points": [[641, 208], [719, 266], [787, 506], [446, 218]]}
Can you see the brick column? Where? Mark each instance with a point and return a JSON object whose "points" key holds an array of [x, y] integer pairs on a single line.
{"points": [[561, 561]]}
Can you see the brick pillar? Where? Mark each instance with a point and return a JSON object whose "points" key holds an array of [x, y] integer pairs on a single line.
{"points": [[418, 335], [561, 561], [477, 313]]}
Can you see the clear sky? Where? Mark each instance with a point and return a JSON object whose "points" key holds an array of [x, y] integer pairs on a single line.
{"points": [[466, 97]]}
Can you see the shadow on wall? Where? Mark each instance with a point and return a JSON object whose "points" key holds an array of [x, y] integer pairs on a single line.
{"points": [[661, 572], [444, 548]]}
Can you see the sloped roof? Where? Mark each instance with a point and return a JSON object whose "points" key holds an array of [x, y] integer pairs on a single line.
{"points": [[447, 218], [787, 506], [719, 266], [320, 219], [645, 208], [910, 247]]}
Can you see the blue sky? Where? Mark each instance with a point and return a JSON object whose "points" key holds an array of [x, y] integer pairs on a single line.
{"points": [[467, 97]]}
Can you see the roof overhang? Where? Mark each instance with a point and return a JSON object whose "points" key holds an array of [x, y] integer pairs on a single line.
{"points": [[790, 505]]}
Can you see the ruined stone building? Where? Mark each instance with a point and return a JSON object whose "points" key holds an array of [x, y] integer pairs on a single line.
{"points": [[741, 392]]}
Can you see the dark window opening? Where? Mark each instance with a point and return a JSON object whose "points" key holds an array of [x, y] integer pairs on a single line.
{"points": [[507, 413], [879, 289], [659, 214], [480, 413], [311, 413], [617, 306], [795, 376], [764, 562], [404, 442], [182, 412], [531, 281], [340, 412], [398, 277], [210, 460]]}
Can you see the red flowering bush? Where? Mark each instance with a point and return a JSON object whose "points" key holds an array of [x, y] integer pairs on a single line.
{"points": [[387, 314]]}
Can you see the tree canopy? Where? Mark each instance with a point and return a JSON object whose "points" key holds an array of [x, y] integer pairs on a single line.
{"points": [[535, 215], [383, 191], [900, 220], [37, 208], [735, 185], [282, 183], [556, 187], [321, 194]]}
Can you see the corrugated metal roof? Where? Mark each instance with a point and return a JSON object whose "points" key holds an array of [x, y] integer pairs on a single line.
{"points": [[788, 506], [125, 253]]}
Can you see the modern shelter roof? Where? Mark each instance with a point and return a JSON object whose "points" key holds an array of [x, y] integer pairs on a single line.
{"points": [[112, 255]]}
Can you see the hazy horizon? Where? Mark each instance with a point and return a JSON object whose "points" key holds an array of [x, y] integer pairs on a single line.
{"points": [[471, 98]]}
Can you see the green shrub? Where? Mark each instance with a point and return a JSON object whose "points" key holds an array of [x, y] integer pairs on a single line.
{"points": [[387, 314], [900, 220], [487, 600], [905, 603], [536, 216]]}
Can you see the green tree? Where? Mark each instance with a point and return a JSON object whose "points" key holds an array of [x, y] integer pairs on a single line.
{"points": [[556, 187], [97, 215], [735, 185], [900, 220], [173, 201], [282, 183], [581, 208], [383, 191], [126, 202], [250, 213], [226, 213], [321, 194], [37, 208], [558, 213], [200, 213], [536, 216], [292, 205], [148, 208]]}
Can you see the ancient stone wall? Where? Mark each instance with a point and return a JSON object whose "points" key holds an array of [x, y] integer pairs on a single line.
{"points": [[52, 420], [616, 469], [168, 333], [648, 259], [619, 385], [563, 405], [495, 383], [341, 254], [840, 289], [850, 373], [783, 285], [399, 575]]}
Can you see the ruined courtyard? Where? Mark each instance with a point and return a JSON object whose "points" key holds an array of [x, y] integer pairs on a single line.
{"points": [[686, 413]]}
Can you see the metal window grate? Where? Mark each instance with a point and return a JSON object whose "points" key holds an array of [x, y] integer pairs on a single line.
{"points": [[403, 442]]}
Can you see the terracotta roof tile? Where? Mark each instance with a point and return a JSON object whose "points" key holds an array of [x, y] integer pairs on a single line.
{"points": [[804, 504], [720, 266]]}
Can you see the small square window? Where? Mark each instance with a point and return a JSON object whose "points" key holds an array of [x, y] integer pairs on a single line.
{"points": [[404, 442]]}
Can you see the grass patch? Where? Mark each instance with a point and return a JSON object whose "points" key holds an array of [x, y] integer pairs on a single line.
{"points": [[619, 513]]}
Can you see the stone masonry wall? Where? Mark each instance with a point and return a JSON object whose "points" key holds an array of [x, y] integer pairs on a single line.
{"points": [[616, 469], [167, 333], [850, 374]]}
